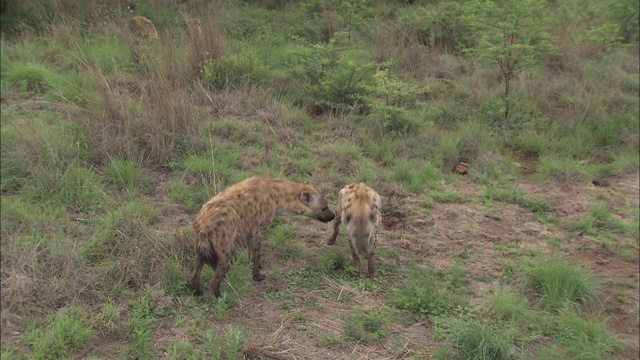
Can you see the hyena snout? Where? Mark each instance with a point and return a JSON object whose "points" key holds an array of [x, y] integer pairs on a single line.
{"points": [[317, 207], [326, 215], [360, 237]]}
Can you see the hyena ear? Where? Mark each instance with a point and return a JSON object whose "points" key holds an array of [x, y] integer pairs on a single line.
{"points": [[305, 197]]}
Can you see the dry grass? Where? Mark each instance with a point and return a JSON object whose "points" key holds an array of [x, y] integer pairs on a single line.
{"points": [[150, 122], [207, 41]]}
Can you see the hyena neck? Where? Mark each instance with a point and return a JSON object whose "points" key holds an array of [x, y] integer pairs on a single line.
{"points": [[287, 196]]}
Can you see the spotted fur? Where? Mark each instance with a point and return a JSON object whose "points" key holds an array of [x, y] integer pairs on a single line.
{"points": [[359, 208], [238, 216]]}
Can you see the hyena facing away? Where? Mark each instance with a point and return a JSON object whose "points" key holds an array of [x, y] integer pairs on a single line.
{"points": [[240, 214], [359, 207]]}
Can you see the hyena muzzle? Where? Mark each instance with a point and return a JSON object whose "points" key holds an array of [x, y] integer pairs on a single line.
{"points": [[359, 208], [239, 215]]}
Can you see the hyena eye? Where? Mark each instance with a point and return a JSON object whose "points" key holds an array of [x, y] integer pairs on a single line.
{"points": [[348, 218], [325, 208], [372, 217]]}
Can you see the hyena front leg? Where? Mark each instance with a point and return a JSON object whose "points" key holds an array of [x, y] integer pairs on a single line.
{"points": [[354, 255], [336, 228], [254, 256], [371, 263]]}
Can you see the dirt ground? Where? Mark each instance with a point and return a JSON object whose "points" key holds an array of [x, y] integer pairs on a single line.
{"points": [[438, 236]]}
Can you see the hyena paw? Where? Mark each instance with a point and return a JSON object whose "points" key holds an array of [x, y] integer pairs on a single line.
{"points": [[259, 277], [198, 292]]}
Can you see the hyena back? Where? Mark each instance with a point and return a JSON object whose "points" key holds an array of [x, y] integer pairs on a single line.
{"points": [[240, 214], [143, 28], [359, 207]]}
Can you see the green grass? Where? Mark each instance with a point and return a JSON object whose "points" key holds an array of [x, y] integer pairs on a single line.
{"points": [[111, 145], [424, 293], [474, 339], [126, 175], [557, 283], [601, 220], [66, 331], [584, 337], [516, 196], [364, 326], [512, 307]]}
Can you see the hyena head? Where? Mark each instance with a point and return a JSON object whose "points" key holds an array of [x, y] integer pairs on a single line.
{"points": [[315, 206], [360, 221]]}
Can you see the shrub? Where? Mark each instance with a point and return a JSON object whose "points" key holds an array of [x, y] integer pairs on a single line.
{"points": [[233, 71]]}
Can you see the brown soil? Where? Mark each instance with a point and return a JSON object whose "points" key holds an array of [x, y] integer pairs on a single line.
{"points": [[438, 236]]}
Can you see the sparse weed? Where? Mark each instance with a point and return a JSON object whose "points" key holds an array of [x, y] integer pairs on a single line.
{"points": [[191, 196], [600, 220], [516, 196], [330, 339], [235, 339], [213, 343], [446, 196], [361, 326], [564, 171], [332, 262], [281, 238]]}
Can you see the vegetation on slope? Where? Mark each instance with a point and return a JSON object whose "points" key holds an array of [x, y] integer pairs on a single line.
{"points": [[111, 143]]}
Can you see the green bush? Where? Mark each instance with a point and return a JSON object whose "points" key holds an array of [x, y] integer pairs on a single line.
{"points": [[233, 71]]}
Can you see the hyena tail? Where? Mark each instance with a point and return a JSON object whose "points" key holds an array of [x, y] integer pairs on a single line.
{"points": [[205, 254], [208, 255]]}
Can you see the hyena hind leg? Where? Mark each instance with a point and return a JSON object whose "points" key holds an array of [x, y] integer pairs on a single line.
{"points": [[221, 270], [254, 256], [195, 280]]}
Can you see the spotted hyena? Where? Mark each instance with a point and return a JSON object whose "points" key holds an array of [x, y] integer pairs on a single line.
{"points": [[240, 214], [143, 28], [359, 208]]}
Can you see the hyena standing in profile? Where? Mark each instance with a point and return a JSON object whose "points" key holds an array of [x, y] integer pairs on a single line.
{"points": [[359, 207], [240, 214]]}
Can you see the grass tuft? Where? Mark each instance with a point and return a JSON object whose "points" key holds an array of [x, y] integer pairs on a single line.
{"points": [[557, 283]]}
